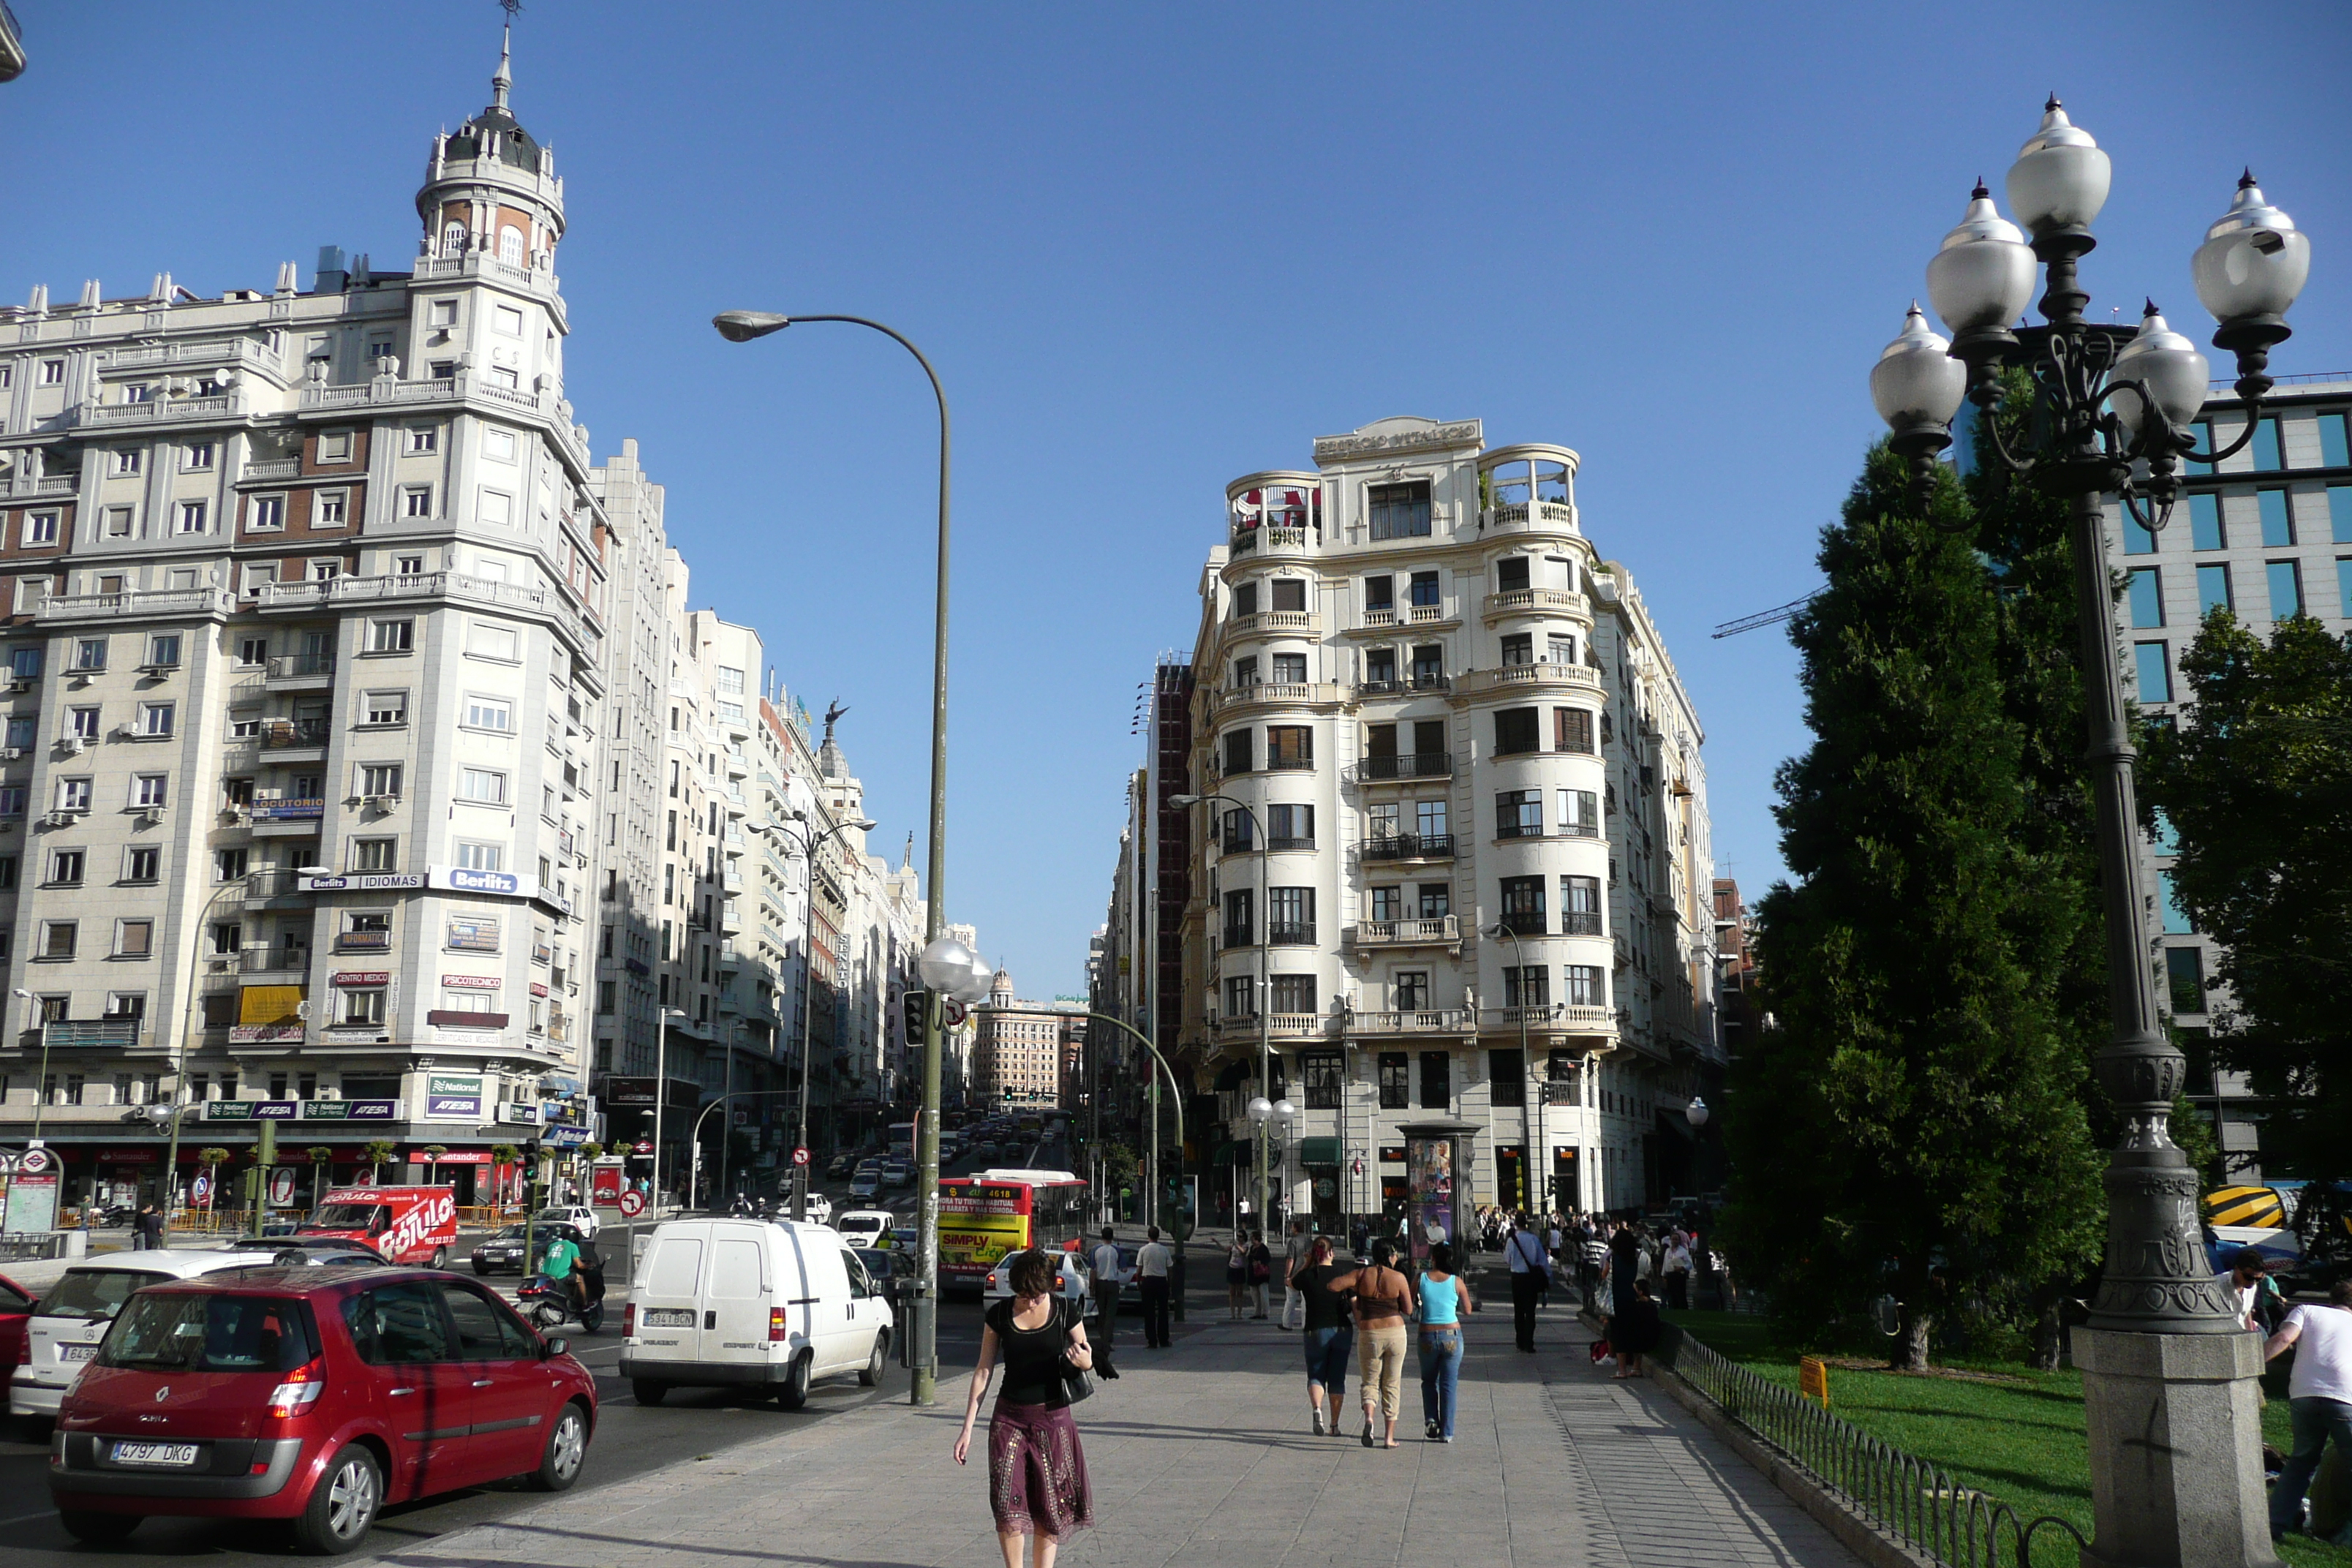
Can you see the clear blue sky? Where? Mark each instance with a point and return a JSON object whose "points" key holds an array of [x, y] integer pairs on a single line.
{"points": [[1154, 249]]}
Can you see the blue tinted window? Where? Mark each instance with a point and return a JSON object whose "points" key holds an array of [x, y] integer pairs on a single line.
{"points": [[2205, 521], [2154, 675], [2286, 590], [2166, 840], [2267, 459], [2335, 452], [2212, 589], [2202, 434], [2146, 598], [2339, 513], [2277, 530], [2343, 587], [2137, 541], [2176, 922]]}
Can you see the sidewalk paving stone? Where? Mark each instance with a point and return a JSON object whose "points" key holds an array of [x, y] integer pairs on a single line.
{"points": [[1202, 1455]]}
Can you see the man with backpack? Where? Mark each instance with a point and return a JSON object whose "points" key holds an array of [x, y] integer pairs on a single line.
{"points": [[1523, 1249]]}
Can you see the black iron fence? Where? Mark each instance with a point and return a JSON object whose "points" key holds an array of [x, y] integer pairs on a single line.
{"points": [[1923, 1505]]}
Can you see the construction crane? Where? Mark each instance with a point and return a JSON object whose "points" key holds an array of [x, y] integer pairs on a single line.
{"points": [[1771, 617]]}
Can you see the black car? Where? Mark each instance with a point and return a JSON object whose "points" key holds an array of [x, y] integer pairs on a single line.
{"points": [[890, 1269], [502, 1252]]}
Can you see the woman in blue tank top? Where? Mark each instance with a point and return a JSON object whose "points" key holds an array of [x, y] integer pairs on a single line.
{"points": [[1444, 1295]]}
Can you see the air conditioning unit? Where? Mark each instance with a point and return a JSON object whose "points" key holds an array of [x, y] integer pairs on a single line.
{"points": [[72, 744], [59, 818], [151, 817], [126, 732], [11, 754], [20, 683], [379, 801]]}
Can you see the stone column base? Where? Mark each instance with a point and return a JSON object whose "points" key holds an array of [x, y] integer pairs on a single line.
{"points": [[2175, 1428]]}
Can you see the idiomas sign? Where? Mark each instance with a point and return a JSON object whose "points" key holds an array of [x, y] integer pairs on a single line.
{"points": [[451, 1097], [360, 881]]}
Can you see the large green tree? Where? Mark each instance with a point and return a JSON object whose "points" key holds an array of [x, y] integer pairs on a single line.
{"points": [[2255, 780], [1915, 1123]]}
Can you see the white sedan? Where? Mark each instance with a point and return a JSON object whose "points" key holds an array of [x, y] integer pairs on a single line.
{"points": [[579, 1217], [1072, 1287]]}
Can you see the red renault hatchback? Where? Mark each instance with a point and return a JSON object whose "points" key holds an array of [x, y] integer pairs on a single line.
{"points": [[314, 1395]]}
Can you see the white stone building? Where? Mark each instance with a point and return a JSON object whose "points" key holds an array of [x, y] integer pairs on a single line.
{"points": [[1483, 879]]}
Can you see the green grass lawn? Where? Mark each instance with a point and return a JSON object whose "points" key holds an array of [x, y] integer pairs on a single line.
{"points": [[2019, 1440]]}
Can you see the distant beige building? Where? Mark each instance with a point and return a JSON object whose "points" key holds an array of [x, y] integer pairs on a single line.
{"points": [[1019, 1048]]}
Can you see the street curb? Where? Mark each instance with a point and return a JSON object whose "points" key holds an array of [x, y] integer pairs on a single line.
{"points": [[1877, 1547]]}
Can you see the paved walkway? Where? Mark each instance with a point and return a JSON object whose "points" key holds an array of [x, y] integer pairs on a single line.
{"points": [[1202, 1453]]}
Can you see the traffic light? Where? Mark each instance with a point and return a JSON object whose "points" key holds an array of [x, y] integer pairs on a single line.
{"points": [[1008, 1094], [917, 1004]]}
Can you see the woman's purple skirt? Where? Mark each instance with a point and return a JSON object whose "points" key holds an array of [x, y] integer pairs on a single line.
{"points": [[1036, 1471]]}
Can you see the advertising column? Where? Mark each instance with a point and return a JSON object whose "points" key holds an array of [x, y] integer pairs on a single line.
{"points": [[1437, 1170]]}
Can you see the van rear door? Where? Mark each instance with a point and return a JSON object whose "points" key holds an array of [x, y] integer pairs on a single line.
{"points": [[737, 1296], [668, 1298], [833, 1313]]}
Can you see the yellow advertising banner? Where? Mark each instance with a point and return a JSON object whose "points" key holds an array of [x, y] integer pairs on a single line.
{"points": [[268, 1004]]}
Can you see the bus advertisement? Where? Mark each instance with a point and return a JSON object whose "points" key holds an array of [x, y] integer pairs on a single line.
{"points": [[984, 1216]]}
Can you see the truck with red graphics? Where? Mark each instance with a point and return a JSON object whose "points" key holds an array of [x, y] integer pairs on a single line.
{"points": [[407, 1224]]}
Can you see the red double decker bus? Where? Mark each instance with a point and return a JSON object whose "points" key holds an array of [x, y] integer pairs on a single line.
{"points": [[984, 1215]]}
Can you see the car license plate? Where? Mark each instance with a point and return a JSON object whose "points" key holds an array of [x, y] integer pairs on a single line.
{"points": [[669, 1318], [76, 1352], [156, 1454]]}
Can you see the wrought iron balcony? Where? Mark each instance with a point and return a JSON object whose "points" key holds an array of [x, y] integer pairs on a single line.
{"points": [[1411, 847], [1406, 765], [1291, 933], [1526, 923], [1579, 922]]}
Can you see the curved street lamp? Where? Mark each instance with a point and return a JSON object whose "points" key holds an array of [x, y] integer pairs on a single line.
{"points": [[1262, 919], [2161, 1353], [742, 326]]}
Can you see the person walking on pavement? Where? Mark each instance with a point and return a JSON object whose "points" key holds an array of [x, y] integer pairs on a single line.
{"points": [[1261, 1272], [1037, 1483], [1108, 1278], [1151, 1266], [1530, 1277], [1625, 1260], [1384, 1302], [1592, 1255], [2318, 1400], [1635, 1331], [1329, 1337], [1443, 1294], [147, 1229], [1295, 1247], [1236, 1273]]}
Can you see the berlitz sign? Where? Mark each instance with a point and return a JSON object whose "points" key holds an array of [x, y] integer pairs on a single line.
{"points": [[505, 884]]}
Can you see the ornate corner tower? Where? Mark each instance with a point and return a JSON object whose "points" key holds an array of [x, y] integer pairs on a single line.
{"points": [[491, 189]]}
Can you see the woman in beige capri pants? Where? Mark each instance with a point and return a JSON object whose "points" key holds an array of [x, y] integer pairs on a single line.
{"points": [[1384, 1302]]}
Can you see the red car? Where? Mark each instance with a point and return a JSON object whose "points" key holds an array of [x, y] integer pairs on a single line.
{"points": [[276, 1393], [16, 1305]]}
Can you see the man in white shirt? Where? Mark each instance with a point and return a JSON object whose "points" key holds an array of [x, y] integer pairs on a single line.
{"points": [[1530, 1276], [2245, 1285], [1108, 1278], [2319, 1400], [1151, 1272]]}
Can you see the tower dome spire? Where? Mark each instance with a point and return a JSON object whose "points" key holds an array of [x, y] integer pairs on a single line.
{"points": [[503, 82]]}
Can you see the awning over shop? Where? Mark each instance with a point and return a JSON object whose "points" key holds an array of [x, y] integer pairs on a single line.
{"points": [[1318, 1151], [1232, 1076]]}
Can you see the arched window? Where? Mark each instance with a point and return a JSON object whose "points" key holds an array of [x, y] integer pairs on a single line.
{"points": [[453, 238], [511, 245]]}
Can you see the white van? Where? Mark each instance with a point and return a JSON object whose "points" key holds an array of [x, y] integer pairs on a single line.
{"points": [[772, 1305], [74, 1314]]}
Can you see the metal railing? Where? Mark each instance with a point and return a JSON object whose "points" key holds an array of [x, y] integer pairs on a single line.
{"points": [[1405, 765], [1411, 847], [1920, 1503]]}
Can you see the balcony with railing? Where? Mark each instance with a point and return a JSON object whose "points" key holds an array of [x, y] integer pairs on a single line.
{"points": [[1274, 693], [294, 734], [1436, 930], [289, 670], [1279, 1026], [1539, 601], [1525, 922], [142, 603], [283, 957], [1425, 1021], [259, 468], [82, 1034], [1411, 847], [1274, 513], [1580, 922], [227, 404], [1530, 485], [315, 595], [1542, 674], [1237, 937], [1558, 1016], [1290, 933], [1404, 765], [1273, 621]]}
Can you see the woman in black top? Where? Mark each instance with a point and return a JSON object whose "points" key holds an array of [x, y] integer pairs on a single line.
{"points": [[1330, 1337], [1036, 1472]]}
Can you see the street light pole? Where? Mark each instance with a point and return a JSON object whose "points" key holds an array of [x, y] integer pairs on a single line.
{"points": [[187, 1044], [741, 326], [661, 1093], [1543, 1139], [1265, 920], [2168, 1380]]}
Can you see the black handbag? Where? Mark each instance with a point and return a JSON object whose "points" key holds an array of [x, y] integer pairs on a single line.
{"points": [[1077, 1382]]}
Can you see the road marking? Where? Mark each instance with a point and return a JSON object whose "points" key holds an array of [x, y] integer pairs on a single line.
{"points": [[27, 1518]]}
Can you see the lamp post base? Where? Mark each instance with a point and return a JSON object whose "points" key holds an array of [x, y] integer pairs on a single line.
{"points": [[2176, 1457]]}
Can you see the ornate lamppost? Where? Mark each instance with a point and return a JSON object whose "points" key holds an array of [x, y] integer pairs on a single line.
{"points": [[2168, 1379]]}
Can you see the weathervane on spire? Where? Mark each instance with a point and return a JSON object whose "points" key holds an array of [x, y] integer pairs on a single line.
{"points": [[504, 80]]}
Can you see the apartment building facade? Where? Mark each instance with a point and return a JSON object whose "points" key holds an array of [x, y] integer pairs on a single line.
{"points": [[1018, 1048], [1457, 849], [306, 600], [2266, 533]]}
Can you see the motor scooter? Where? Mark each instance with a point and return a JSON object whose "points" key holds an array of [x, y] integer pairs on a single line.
{"points": [[550, 1302]]}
